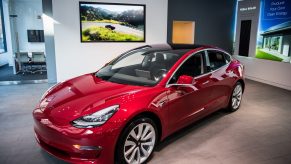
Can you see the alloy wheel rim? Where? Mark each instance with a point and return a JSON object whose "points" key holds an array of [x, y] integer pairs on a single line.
{"points": [[236, 96], [139, 143]]}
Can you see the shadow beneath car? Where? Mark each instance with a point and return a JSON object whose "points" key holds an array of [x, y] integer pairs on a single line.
{"points": [[196, 126], [48, 158]]}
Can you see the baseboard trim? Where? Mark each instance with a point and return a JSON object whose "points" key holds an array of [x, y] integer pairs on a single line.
{"points": [[269, 82], [3, 64], [23, 82]]}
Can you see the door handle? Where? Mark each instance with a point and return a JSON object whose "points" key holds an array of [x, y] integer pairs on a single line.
{"points": [[206, 82], [162, 103]]}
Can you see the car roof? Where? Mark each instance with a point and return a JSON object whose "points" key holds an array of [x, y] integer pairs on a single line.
{"points": [[186, 46], [180, 49], [174, 46]]}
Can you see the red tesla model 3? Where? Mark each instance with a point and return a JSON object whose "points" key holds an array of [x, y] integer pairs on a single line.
{"points": [[119, 113]]}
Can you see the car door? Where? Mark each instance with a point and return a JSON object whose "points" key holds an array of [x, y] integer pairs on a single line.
{"points": [[217, 65], [187, 103]]}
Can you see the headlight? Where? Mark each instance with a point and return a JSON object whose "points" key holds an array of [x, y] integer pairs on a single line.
{"points": [[95, 119]]}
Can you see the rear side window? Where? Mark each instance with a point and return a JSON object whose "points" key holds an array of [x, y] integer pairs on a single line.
{"points": [[227, 57], [216, 60]]}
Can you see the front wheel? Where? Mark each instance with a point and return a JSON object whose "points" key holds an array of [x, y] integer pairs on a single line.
{"points": [[236, 97], [137, 142]]}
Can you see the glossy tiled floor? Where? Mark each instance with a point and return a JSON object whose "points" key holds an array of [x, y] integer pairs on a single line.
{"points": [[259, 133]]}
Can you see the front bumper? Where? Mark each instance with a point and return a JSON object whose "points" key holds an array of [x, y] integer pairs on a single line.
{"points": [[74, 145]]}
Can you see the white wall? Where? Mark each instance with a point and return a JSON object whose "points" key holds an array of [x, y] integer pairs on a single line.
{"points": [[252, 15], [27, 12], [48, 24], [74, 58], [7, 57], [266, 71]]}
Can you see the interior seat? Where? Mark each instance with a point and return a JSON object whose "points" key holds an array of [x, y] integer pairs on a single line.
{"points": [[158, 64]]}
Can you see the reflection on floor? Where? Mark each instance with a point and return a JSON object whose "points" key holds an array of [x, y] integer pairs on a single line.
{"points": [[259, 133], [6, 74]]}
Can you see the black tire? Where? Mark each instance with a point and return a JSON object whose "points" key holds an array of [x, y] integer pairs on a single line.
{"points": [[231, 107], [119, 158]]}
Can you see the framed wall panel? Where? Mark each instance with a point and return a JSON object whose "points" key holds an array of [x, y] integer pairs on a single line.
{"points": [[183, 32]]}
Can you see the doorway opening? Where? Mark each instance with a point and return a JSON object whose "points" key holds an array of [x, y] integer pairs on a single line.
{"points": [[244, 40], [24, 59]]}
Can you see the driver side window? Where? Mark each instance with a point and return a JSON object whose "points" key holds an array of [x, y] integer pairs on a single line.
{"points": [[191, 67]]}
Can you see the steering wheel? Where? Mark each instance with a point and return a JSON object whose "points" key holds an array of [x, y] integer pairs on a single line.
{"points": [[158, 74]]}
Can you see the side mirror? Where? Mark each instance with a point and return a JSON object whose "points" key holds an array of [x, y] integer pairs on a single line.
{"points": [[184, 79]]}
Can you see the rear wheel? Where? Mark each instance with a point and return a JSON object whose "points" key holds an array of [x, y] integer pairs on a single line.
{"points": [[137, 142], [236, 97]]}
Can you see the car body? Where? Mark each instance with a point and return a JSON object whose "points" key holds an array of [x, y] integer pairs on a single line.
{"points": [[110, 27], [65, 123]]}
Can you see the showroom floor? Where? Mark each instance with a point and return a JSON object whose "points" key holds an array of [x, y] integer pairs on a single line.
{"points": [[260, 132], [6, 74]]}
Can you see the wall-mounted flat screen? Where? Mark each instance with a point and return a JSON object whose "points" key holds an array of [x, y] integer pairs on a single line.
{"points": [[274, 39], [263, 29], [112, 22], [35, 35]]}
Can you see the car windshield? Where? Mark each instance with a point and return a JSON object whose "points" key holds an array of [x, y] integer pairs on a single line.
{"points": [[144, 67]]}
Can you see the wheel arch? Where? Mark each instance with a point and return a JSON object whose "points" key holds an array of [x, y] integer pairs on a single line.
{"points": [[148, 114], [242, 82], [151, 115]]}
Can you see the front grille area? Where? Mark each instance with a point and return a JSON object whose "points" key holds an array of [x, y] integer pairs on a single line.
{"points": [[69, 156], [55, 151]]}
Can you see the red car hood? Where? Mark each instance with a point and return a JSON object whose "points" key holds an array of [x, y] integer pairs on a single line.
{"points": [[81, 96]]}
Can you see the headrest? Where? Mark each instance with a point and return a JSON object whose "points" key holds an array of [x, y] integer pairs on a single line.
{"points": [[159, 57]]}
